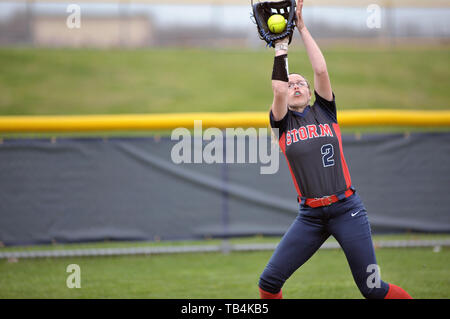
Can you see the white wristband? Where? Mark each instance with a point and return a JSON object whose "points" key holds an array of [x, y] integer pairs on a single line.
{"points": [[281, 46]]}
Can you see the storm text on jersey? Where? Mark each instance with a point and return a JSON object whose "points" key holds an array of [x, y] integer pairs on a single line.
{"points": [[307, 132]]}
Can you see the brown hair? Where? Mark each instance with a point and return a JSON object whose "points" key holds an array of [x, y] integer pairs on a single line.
{"points": [[309, 87]]}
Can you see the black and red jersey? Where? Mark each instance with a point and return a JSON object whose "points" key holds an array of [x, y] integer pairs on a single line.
{"points": [[311, 142]]}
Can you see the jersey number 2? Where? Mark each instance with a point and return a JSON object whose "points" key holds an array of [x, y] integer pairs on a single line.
{"points": [[328, 153]]}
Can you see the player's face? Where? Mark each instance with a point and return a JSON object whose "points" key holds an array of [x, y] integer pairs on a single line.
{"points": [[299, 93]]}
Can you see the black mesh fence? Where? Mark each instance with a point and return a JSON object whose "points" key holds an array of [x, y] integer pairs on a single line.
{"points": [[92, 189]]}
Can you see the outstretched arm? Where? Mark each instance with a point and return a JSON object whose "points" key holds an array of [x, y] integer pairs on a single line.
{"points": [[322, 83], [280, 87]]}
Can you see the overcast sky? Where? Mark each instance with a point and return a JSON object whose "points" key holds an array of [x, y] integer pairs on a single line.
{"points": [[430, 20]]}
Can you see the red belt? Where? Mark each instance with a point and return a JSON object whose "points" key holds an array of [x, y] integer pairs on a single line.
{"points": [[326, 200]]}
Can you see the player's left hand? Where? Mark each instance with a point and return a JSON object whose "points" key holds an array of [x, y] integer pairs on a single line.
{"points": [[262, 11]]}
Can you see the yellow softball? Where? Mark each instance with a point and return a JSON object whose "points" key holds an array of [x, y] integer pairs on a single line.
{"points": [[276, 23]]}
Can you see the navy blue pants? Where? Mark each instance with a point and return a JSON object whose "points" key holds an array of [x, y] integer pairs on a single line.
{"points": [[345, 220]]}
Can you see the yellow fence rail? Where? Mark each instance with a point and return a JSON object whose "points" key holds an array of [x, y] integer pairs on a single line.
{"points": [[128, 122]]}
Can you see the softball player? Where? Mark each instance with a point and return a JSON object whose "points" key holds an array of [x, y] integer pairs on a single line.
{"points": [[310, 139]]}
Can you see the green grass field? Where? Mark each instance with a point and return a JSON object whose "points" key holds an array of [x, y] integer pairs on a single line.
{"points": [[87, 81], [64, 81], [423, 272]]}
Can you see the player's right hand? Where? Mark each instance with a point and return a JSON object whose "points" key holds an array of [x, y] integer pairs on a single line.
{"points": [[300, 22]]}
